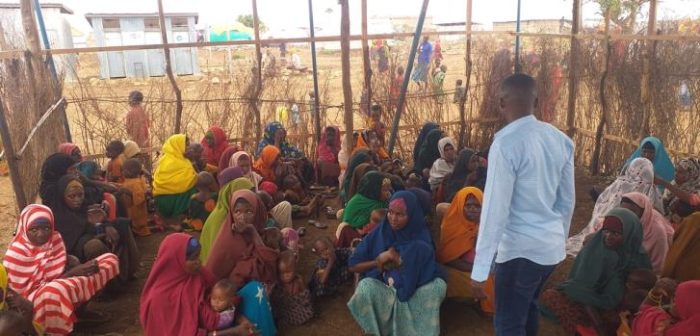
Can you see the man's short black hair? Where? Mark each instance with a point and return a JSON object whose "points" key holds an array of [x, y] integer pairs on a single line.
{"points": [[519, 84]]}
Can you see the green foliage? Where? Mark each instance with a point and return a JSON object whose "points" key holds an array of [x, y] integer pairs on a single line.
{"points": [[247, 20]]}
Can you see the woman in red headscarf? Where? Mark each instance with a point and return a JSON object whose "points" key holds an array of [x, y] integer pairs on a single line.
{"points": [[327, 151], [71, 150], [215, 144]]}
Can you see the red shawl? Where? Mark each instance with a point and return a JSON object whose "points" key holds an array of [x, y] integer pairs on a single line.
{"points": [[687, 304], [327, 153], [173, 301], [29, 266], [213, 154], [67, 148], [234, 257]]}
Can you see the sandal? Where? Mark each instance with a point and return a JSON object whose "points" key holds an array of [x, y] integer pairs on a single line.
{"points": [[331, 213], [301, 231], [318, 224]]}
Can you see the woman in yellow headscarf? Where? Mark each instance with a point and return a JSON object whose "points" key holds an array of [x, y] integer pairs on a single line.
{"points": [[456, 250], [174, 181], [17, 304]]}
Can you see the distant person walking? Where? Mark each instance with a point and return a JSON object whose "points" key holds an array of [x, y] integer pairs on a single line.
{"points": [[527, 210], [420, 74], [137, 120]]}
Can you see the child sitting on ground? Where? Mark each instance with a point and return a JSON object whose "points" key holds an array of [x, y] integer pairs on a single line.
{"points": [[223, 300], [331, 268], [135, 203], [291, 299], [272, 238], [115, 153], [302, 204], [203, 202]]}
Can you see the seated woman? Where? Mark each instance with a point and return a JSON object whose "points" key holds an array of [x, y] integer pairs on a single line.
{"points": [[427, 155], [39, 269], [173, 301], [268, 165], [402, 285], [238, 253], [54, 167], [596, 284], [457, 246], [275, 135], [225, 160], [357, 175], [87, 233], [369, 139], [327, 166], [71, 150], [216, 218], [422, 135], [469, 171], [681, 318], [444, 165], [174, 182], [639, 177], [373, 192], [244, 161], [215, 143], [683, 258], [657, 231], [359, 157], [652, 149], [96, 191], [681, 189]]}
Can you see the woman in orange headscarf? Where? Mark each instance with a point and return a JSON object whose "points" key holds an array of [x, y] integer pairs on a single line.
{"points": [[368, 139], [457, 247], [267, 163]]}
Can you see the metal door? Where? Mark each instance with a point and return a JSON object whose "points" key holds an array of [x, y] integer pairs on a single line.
{"points": [[183, 56], [115, 59], [156, 58]]}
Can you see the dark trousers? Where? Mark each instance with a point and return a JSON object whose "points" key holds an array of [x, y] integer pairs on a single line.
{"points": [[518, 284]]}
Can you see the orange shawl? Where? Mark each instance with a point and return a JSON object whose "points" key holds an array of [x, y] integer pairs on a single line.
{"points": [[362, 144], [264, 164], [457, 234], [683, 258]]}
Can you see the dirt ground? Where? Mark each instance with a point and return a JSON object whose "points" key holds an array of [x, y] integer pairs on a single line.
{"points": [[333, 315]]}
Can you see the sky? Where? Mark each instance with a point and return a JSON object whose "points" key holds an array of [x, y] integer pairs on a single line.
{"points": [[285, 17]]}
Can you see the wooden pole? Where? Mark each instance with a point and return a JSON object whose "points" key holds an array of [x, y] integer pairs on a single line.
{"points": [[600, 130], [17, 185], [468, 75], [407, 76], [31, 35], [314, 67], [345, 61], [169, 69], [258, 58], [367, 65], [573, 69], [646, 72]]}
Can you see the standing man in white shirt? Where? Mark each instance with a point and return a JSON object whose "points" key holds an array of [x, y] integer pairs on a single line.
{"points": [[528, 205]]}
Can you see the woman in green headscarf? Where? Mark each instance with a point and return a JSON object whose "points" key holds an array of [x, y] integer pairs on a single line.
{"points": [[596, 283], [428, 152], [373, 193], [359, 157], [216, 218]]}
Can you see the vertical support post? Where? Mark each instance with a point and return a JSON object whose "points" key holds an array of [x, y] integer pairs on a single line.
{"points": [[314, 65], [365, 56], [52, 67], [600, 130], [17, 185], [407, 76], [467, 73], [518, 68], [345, 62], [646, 72], [258, 59], [573, 69], [169, 69]]}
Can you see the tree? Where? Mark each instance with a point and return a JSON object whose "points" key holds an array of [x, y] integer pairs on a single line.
{"points": [[247, 20], [623, 13]]}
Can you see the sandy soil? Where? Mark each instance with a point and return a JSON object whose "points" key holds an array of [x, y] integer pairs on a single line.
{"points": [[334, 317]]}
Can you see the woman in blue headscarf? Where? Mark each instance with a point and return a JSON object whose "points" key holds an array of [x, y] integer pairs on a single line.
{"points": [[275, 135], [653, 149], [402, 285]]}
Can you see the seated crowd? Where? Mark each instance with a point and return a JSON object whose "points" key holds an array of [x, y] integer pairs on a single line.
{"points": [[407, 237]]}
